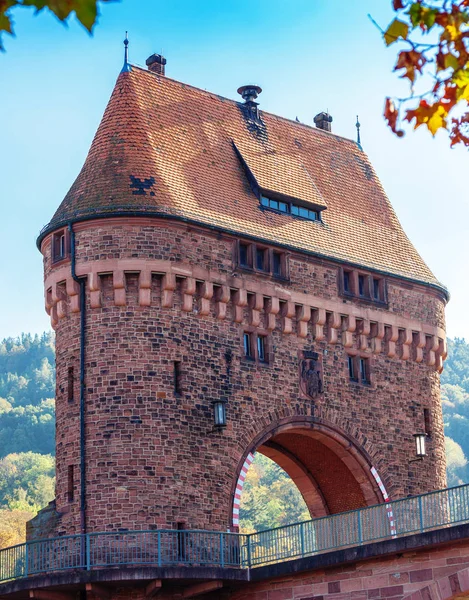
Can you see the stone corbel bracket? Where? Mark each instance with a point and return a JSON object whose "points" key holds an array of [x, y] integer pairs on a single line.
{"points": [[356, 327]]}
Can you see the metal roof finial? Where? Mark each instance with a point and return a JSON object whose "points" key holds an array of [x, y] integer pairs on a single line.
{"points": [[126, 68], [357, 125]]}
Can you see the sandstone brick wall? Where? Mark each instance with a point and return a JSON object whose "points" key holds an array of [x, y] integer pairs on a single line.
{"points": [[154, 458], [431, 574]]}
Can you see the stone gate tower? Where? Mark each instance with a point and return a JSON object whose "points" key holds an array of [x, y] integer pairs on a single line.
{"points": [[224, 281]]}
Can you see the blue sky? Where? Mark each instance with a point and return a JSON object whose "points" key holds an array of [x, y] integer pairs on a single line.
{"points": [[308, 56]]}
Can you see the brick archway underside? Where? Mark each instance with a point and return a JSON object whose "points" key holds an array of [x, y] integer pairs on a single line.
{"points": [[329, 471]]}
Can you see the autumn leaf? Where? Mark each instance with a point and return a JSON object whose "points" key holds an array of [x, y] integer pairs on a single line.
{"points": [[391, 114], [398, 29], [461, 80], [431, 115], [411, 61], [86, 10]]}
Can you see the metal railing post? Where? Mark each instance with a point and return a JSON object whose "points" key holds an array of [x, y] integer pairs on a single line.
{"points": [[222, 551], [26, 559], [88, 551], [420, 513], [249, 550], [159, 548], [302, 538], [359, 527]]}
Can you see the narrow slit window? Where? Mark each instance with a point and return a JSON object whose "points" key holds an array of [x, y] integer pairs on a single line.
{"points": [[376, 289], [247, 345], [261, 259], [364, 370], [70, 484], [58, 246], [177, 377], [277, 264], [261, 348], [346, 280], [244, 255], [70, 384], [351, 369], [427, 419], [361, 286]]}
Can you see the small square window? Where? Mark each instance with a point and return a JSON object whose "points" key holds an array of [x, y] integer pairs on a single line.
{"points": [[261, 259], [261, 348], [247, 345], [244, 255], [264, 201], [283, 206], [295, 210], [304, 212]]}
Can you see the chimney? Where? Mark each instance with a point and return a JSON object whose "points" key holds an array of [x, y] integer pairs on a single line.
{"points": [[156, 64], [323, 121]]}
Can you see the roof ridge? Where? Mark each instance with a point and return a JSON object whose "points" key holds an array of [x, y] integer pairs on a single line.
{"points": [[271, 114]]}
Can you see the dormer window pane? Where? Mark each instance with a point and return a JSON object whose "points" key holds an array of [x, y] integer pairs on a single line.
{"points": [[264, 201], [295, 210], [283, 206], [304, 212]]}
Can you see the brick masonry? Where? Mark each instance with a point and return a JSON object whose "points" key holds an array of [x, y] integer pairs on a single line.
{"points": [[160, 292], [428, 574]]}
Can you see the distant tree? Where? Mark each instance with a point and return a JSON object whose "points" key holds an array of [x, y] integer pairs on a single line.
{"points": [[433, 40], [13, 526], [26, 481], [86, 11], [270, 498], [456, 463]]}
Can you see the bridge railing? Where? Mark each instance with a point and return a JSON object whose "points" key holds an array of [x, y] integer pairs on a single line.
{"points": [[169, 547], [370, 524]]}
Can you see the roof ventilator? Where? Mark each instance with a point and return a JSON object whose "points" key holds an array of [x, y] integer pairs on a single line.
{"points": [[249, 94]]}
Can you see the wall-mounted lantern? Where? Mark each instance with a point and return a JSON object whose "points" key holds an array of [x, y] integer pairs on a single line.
{"points": [[420, 449], [219, 412]]}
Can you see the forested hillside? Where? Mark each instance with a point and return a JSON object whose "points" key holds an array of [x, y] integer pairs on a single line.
{"points": [[27, 429], [455, 396]]}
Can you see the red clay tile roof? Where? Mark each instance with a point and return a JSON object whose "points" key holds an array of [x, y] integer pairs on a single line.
{"points": [[166, 147]]}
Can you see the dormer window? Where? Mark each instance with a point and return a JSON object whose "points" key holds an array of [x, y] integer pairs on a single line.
{"points": [[290, 208]]}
